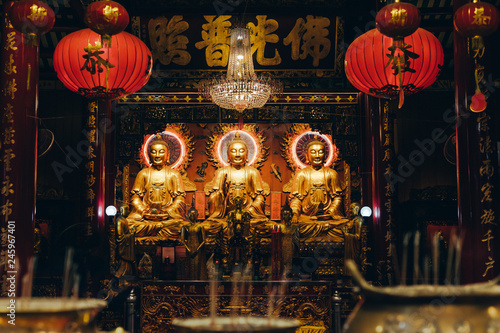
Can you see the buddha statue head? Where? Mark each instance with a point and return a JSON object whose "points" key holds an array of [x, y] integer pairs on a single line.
{"points": [[316, 154], [158, 152], [355, 208], [237, 152]]}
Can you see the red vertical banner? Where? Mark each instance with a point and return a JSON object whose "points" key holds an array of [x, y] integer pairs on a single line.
{"points": [[99, 165], [275, 206], [18, 150], [200, 204], [91, 174]]}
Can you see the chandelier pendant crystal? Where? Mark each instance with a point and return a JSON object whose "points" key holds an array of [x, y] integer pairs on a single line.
{"points": [[240, 88]]}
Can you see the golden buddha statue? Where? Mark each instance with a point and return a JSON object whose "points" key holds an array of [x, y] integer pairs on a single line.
{"points": [[316, 199], [193, 238], [125, 254], [157, 198], [290, 237], [352, 238], [236, 180]]}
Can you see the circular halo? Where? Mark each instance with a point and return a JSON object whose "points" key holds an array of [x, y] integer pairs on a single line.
{"points": [[299, 148], [176, 147], [249, 140]]}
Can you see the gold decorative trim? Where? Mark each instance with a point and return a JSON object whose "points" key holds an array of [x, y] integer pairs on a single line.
{"points": [[312, 310], [190, 98], [126, 183]]}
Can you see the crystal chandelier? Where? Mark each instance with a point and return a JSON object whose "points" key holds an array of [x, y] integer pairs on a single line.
{"points": [[240, 88]]}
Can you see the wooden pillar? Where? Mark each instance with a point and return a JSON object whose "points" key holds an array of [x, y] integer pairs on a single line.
{"points": [[379, 153], [18, 150], [476, 168]]}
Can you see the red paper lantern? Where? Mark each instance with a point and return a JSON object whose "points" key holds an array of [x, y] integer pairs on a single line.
{"points": [[476, 19], [107, 18], [368, 63], [94, 71], [398, 20], [31, 17]]}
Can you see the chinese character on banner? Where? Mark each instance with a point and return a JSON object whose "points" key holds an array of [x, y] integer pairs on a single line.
{"points": [[488, 216], [10, 88], [486, 169], [6, 187], [8, 136], [10, 43], [311, 33], [486, 189], [167, 43], [7, 158], [216, 37], [260, 35], [90, 195], [8, 113], [485, 145], [6, 209], [489, 265], [387, 155], [9, 67]]}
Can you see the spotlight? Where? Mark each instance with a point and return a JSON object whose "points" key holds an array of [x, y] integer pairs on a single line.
{"points": [[366, 211], [111, 210]]}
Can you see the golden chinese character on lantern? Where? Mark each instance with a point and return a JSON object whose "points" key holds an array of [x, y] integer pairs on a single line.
{"points": [[480, 18], [167, 43], [260, 35], [308, 38], [398, 16], [93, 59], [111, 13], [37, 13], [215, 37]]}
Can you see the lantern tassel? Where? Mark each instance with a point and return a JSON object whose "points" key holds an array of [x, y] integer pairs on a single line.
{"points": [[107, 79], [29, 78], [478, 101], [401, 90], [106, 40]]}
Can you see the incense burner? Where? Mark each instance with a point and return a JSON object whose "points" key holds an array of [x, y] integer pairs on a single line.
{"points": [[238, 324], [50, 315], [426, 308]]}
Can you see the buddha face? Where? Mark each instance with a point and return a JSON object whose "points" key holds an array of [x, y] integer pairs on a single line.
{"points": [[237, 154], [316, 155], [158, 154]]}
